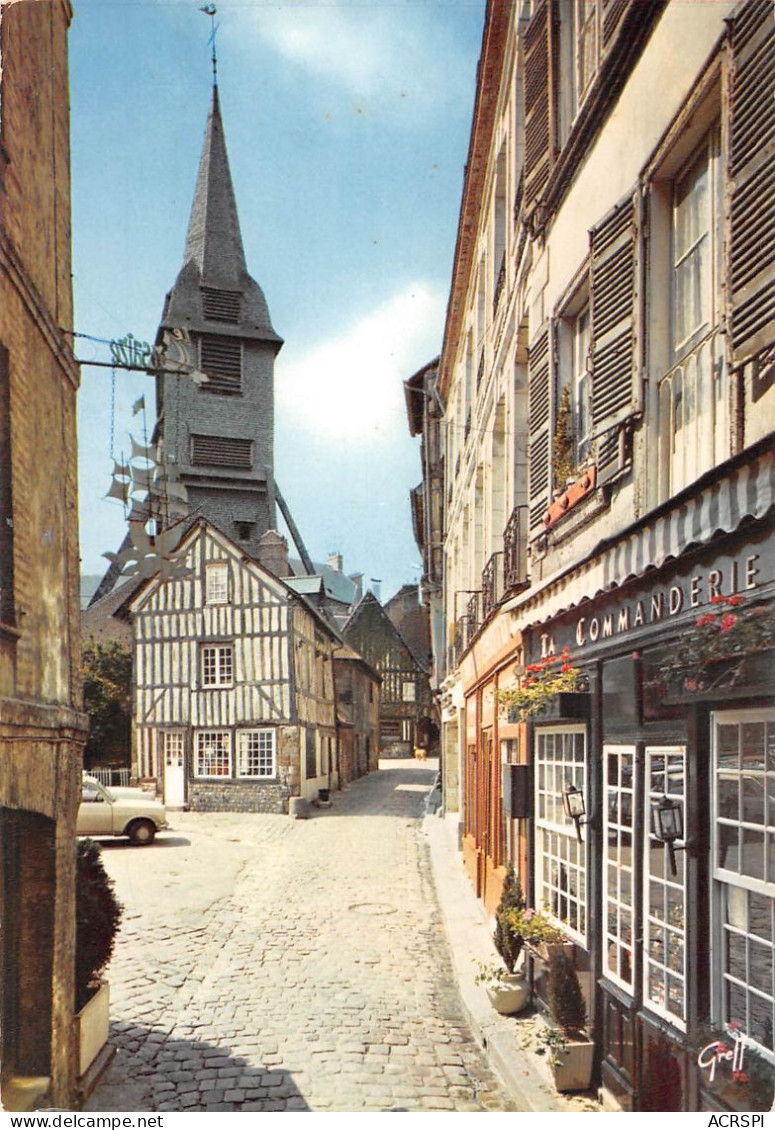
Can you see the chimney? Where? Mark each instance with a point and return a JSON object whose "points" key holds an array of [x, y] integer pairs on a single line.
{"points": [[376, 587], [273, 553], [357, 580], [335, 562]]}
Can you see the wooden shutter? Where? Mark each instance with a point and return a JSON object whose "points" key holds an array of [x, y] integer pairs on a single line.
{"points": [[616, 386], [752, 174], [540, 395], [539, 101], [7, 600]]}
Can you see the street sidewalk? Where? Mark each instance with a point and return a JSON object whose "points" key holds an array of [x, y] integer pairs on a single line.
{"points": [[503, 1038]]}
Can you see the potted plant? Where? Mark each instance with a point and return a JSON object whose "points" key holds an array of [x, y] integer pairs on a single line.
{"points": [[538, 931], [571, 1052], [552, 678], [506, 987], [97, 918]]}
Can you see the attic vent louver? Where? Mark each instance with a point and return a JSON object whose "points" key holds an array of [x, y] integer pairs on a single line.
{"points": [[222, 451], [221, 305], [221, 359]]}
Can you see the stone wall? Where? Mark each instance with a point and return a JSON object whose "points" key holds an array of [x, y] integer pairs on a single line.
{"points": [[42, 729]]}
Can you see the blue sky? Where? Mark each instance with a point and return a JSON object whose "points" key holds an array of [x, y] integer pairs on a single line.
{"points": [[347, 127]]}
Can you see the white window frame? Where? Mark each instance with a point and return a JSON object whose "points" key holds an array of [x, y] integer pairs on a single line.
{"points": [[266, 757], [221, 672], [557, 841], [409, 691], [217, 582], [652, 924], [693, 387], [581, 388], [729, 884], [222, 740], [174, 748], [616, 870]]}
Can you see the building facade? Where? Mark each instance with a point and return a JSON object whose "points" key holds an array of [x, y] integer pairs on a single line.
{"points": [[42, 727], [234, 701], [357, 706], [608, 380], [405, 716]]}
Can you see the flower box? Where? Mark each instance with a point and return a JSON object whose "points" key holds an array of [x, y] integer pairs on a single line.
{"points": [[572, 1065], [565, 705]]}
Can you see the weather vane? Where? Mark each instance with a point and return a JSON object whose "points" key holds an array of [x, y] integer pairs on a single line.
{"points": [[211, 10]]}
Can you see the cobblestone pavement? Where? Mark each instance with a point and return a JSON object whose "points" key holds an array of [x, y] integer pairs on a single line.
{"points": [[275, 964]]}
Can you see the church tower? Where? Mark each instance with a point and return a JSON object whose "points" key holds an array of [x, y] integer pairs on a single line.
{"points": [[216, 436]]}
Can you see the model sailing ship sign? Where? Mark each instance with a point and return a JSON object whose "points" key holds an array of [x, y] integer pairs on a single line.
{"points": [[150, 490]]}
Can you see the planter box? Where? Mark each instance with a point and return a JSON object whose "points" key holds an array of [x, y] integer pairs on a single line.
{"points": [[92, 1025], [565, 705], [572, 1068]]}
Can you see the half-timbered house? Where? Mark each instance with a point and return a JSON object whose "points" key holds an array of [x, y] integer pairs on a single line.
{"points": [[404, 698], [234, 688]]}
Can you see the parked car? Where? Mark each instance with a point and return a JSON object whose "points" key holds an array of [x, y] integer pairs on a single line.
{"points": [[119, 812]]}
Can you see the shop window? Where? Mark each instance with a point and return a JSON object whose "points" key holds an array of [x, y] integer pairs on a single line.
{"points": [[256, 755], [212, 756], [664, 894], [618, 876], [743, 828], [561, 858]]}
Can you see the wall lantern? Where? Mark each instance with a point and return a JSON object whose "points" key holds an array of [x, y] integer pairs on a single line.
{"points": [[575, 809], [668, 826]]}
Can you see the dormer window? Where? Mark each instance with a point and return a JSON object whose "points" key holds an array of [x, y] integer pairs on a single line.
{"points": [[221, 305]]}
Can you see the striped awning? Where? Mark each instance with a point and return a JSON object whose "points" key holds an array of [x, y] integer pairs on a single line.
{"points": [[740, 491]]}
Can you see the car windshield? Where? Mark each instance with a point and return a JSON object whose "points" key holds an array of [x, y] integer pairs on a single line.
{"points": [[93, 791]]}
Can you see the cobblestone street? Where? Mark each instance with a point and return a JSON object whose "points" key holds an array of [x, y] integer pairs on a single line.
{"points": [[273, 964]]}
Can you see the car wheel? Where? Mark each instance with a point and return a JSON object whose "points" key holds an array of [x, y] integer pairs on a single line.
{"points": [[142, 832]]}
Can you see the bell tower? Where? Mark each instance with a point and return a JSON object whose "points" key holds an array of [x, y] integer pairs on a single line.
{"points": [[216, 434]]}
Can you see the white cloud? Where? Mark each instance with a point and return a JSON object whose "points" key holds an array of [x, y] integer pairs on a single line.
{"points": [[350, 387], [378, 53]]}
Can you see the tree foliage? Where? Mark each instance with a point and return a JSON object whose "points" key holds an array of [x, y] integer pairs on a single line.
{"points": [[107, 689]]}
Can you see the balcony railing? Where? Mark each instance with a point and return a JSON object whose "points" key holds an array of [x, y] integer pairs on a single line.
{"points": [[515, 574], [473, 614], [492, 585]]}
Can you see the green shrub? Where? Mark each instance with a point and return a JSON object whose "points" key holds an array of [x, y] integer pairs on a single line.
{"points": [[566, 1000], [508, 943], [97, 919]]}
